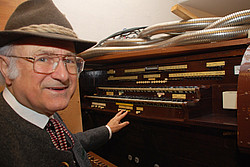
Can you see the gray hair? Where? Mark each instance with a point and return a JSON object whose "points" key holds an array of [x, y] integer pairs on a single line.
{"points": [[12, 70]]}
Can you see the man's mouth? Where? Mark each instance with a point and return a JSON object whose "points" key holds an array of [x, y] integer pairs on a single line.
{"points": [[57, 88]]}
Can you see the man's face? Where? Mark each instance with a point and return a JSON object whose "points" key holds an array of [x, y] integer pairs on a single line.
{"points": [[44, 93]]}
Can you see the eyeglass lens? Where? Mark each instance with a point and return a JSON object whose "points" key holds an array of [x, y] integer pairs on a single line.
{"points": [[47, 64]]}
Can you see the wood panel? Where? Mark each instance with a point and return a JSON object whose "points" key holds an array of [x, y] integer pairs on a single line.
{"points": [[72, 116], [182, 12]]}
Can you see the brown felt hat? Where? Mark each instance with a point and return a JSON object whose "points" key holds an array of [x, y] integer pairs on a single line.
{"points": [[40, 18]]}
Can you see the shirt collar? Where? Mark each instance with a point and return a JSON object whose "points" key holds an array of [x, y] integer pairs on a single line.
{"points": [[31, 116]]}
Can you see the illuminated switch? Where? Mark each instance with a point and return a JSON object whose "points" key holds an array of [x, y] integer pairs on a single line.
{"points": [[137, 112], [122, 109], [120, 93]]}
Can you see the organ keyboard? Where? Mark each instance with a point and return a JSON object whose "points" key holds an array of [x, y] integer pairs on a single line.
{"points": [[166, 103], [97, 161]]}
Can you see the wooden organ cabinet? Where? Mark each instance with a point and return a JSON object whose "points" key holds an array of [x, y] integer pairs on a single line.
{"points": [[182, 104]]}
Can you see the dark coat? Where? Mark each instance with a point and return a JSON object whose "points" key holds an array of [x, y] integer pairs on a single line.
{"points": [[23, 144]]}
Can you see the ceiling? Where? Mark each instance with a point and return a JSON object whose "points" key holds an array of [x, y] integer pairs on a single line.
{"points": [[217, 7]]}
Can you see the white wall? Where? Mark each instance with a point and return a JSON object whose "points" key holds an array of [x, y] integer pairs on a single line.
{"points": [[97, 19]]}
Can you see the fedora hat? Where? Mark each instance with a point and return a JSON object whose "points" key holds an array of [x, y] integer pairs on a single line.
{"points": [[40, 18]]}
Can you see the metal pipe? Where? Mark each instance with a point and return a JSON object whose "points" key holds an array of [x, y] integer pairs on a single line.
{"points": [[209, 34], [202, 36], [133, 41], [234, 19], [206, 36], [177, 26]]}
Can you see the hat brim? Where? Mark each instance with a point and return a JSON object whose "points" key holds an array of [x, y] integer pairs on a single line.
{"points": [[9, 36]]}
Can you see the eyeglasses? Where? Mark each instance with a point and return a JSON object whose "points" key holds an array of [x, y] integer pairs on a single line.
{"points": [[47, 63]]}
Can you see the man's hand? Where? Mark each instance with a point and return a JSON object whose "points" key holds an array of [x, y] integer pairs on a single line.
{"points": [[115, 123]]}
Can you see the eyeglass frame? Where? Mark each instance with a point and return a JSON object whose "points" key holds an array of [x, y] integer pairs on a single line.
{"points": [[32, 59]]}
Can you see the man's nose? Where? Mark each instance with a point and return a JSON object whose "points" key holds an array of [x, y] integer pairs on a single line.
{"points": [[60, 73]]}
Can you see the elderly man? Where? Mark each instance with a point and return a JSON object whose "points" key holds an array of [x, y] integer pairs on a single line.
{"points": [[39, 68]]}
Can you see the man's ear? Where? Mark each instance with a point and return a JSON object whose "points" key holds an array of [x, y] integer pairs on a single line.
{"points": [[4, 65]]}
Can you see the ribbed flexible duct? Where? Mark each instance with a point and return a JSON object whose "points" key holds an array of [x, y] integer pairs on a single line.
{"points": [[177, 26], [234, 19], [207, 35], [100, 51], [122, 34], [202, 36], [133, 41]]}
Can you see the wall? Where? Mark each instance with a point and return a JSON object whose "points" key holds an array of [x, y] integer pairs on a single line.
{"points": [[97, 19]]}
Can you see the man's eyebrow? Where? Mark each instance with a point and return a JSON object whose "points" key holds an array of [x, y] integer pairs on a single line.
{"points": [[41, 51], [71, 54], [52, 52]]}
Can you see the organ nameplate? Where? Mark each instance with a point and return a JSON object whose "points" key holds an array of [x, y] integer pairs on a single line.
{"points": [[197, 74], [173, 67], [215, 64], [179, 96], [153, 68], [112, 78]]}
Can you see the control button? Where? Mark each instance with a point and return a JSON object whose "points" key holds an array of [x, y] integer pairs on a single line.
{"points": [[130, 157], [123, 110], [137, 160], [137, 112]]}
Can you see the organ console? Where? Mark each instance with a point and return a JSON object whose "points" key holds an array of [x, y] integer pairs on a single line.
{"points": [[182, 104]]}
